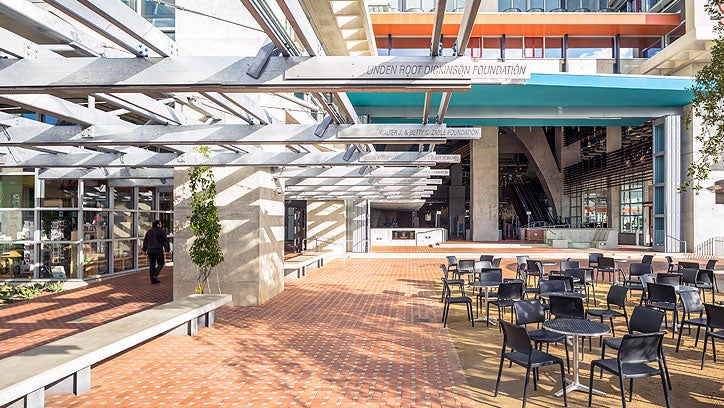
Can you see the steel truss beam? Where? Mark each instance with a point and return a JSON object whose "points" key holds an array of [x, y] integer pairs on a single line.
{"points": [[199, 74], [360, 172], [158, 135], [135, 157], [387, 181]]}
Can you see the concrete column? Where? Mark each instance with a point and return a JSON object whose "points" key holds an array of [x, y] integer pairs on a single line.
{"points": [[252, 237], [613, 194], [326, 221], [613, 138], [456, 198], [484, 185]]}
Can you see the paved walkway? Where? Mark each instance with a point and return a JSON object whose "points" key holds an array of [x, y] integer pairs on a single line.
{"points": [[355, 333]]}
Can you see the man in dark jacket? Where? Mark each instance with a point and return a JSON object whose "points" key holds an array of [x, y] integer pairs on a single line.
{"points": [[154, 243]]}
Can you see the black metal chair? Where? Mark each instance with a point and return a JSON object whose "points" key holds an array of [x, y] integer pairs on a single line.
{"points": [[671, 264], [669, 278], [704, 282], [461, 299], [635, 354], [585, 281], [663, 297], [508, 293], [465, 267], [566, 307], [616, 297], [568, 281], [606, 265], [691, 303], [565, 265], [710, 265], [593, 259], [643, 320], [532, 311], [688, 264], [647, 259], [523, 354], [714, 328], [635, 270], [486, 258], [452, 263], [535, 269], [446, 278], [491, 277], [551, 285]]}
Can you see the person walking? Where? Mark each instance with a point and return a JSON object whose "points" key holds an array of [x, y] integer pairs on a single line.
{"points": [[154, 244]]}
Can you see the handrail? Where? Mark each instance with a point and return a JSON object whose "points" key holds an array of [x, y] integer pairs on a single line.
{"points": [[712, 247], [677, 240]]}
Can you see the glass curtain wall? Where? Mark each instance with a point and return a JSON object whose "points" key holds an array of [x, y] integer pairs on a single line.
{"points": [[632, 201], [60, 229]]}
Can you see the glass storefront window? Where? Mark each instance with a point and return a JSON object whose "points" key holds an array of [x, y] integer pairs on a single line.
{"points": [[95, 225], [95, 194], [632, 198], [16, 225], [145, 221], [59, 193], [17, 191], [145, 198], [595, 209], [95, 258], [122, 224], [142, 258], [59, 225], [123, 255], [11, 261], [123, 197], [165, 200], [59, 261]]}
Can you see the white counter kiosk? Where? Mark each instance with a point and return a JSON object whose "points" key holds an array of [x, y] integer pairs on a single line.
{"points": [[408, 236]]}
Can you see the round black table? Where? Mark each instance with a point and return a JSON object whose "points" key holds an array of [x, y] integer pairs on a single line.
{"points": [[546, 295], [577, 328]]}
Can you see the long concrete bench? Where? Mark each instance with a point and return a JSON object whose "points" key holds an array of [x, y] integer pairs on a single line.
{"points": [[65, 365], [299, 263]]}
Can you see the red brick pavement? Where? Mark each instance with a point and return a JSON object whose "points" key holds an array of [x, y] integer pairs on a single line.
{"points": [[359, 332]]}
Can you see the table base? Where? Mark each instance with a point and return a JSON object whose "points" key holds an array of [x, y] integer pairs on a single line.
{"points": [[486, 319], [577, 386]]}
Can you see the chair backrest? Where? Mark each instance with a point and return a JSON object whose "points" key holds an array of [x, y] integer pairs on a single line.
{"points": [[452, 260], [529, 311], [689, 264], [496, 262], [466, 265], [547, 286], [445, 271], [515, 337], [705, 276], [661, 293], [593, 258], [567, 280], [491, 276], [645, 320], [669, 278], [534, 266], [638, 269], [617, 296], [564, 306], [510, 290], [688, 275], [448, 292], [584, 274], [640, 348], [647, 259], [710, 264], [714, 316], [569, 265], [691, 301], [646, 279], [483, 265], [606, 262], [488, 258]]}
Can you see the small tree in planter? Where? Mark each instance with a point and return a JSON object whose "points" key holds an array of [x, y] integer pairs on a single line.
{"points": [[204, 222]]}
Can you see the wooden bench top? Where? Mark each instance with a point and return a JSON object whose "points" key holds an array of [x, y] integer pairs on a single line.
{"points": [[30, 370]]}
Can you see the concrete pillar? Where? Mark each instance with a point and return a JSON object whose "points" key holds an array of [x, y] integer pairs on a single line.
{"points": [[484, 185], [326, 221], [613, 194], [456, 199], [252, 237], [613, 138]]}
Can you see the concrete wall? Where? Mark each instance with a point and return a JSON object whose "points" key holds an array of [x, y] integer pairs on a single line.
{"points": [[456, 199], [484, 186], [252, 236], [326, 220], [543, 163]]}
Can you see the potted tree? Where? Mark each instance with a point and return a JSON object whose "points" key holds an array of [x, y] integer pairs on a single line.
{"points": [[204, 222]]}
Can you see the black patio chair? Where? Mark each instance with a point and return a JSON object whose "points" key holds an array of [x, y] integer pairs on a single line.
{"points": [[585, 281], [635, 270], [593, 259], [635, 354], [454, 300], [647, 259], [446, 278], [671, 265], [535, 270], [532, 311], [566, 307], [616, 297], [486, 258], [691, 303], [704, 282], [688, 264], [525, 355], [643, 320], [669, 278], [714, 328], [508, 293], [663, 297], [567, 280], [606, 265]]}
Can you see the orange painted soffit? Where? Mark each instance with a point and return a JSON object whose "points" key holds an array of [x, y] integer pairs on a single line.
{"points": [[528, 24]]}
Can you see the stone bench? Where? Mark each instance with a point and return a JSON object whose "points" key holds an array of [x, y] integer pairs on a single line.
{"points": [[64, 365], [299, 263]]}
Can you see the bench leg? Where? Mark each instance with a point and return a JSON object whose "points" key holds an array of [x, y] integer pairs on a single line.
{"points": [[206, 319], [77, 383], [35, 399], [190, 328]]}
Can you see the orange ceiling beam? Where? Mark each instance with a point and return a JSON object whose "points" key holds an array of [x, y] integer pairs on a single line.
{"points": [[528, 24]]}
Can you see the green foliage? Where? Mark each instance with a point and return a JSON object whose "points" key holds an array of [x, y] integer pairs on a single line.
{"points": [[708, 105], [204, 222], [9, 293]]}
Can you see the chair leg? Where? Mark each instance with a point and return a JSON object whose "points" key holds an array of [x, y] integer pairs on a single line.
{"points": [[703, 353], [525, 386], [623, 389], [666, 366], [590, 384], [500, 372], [663, 383], [630, 389], [678, 341], [563, 381], [444, 314], [698, 330]]}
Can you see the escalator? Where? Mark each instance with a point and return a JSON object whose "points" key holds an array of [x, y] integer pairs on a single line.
{"points": [[528, 196]]}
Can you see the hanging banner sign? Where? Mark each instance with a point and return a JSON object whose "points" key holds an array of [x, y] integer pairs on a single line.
{"points": [[370, 68]]}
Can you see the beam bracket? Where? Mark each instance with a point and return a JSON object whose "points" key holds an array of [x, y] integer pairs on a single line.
{"points": [[261, 60]]}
